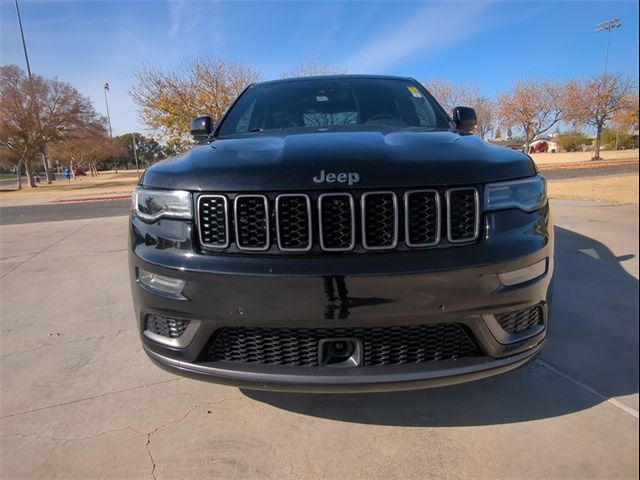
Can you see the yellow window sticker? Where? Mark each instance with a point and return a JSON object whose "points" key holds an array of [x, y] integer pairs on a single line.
{"points": [[414, 91]]}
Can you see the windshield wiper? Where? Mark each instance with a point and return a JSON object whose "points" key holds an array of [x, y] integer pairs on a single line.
{"points": [[256, 130]]}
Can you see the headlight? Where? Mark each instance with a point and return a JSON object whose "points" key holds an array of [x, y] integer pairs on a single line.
{"points": [[528, 194], [151, 204]]}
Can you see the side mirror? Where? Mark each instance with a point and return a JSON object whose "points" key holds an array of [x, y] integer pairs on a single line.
{"points": [[201, 128], [465, 119]]}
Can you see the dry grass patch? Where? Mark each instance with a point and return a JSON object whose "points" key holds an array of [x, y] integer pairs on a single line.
{"points": [[570, 157], [610, 189], [107, 183]]}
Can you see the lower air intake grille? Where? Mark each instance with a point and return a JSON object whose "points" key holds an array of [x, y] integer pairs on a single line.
{"points": [[382, 345], [520, 320], [167, 327]]}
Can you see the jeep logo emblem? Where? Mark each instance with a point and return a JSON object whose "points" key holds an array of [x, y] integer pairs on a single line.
{"points": [[341, 177]]}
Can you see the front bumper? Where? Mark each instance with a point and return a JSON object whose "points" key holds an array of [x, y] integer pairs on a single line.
{"points": [[452, 285]]}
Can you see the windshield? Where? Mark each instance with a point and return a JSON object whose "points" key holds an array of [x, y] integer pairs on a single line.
{"points": [[332, 102]]}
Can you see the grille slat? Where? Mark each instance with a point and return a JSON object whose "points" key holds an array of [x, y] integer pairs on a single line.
{"points": [[462, 215], [252, 222], [381, 345], [520, 320], [214, 223], [422, 218], [379, 220], [337, 222], [293, 222]]}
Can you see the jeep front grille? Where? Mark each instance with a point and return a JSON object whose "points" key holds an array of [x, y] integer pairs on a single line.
{"points": [[338, 222], [396, 345]]}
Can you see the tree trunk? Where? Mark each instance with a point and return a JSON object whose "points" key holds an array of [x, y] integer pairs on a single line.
{"points": [[19, 172], [31, 181], [597, 147], [45, 162]]}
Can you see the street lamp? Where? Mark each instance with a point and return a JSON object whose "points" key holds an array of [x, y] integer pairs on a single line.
{"points": [[45, 160], [106, 89], [608, 25]]}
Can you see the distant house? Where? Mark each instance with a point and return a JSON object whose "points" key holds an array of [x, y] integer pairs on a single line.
{"points": [[544, 145]]}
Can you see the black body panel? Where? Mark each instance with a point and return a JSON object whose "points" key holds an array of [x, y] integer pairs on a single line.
{"points": [[384, 157]]}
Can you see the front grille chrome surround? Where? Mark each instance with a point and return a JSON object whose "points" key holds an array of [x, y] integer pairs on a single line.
{"points": [[408, 223], [322, 228], [451, 204], [238, 219], [279, 223], [340, 221], [203, 227], [367, 229]]}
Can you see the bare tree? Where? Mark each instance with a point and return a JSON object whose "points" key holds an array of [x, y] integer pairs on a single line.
{"points": [[36, 113], [169, 100], [452, 94], [486, 114], [311, 69], [595, 101], [533, 105]]}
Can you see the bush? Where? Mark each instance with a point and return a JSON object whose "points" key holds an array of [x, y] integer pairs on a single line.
{"points": [[625, 140], [573, 141]]}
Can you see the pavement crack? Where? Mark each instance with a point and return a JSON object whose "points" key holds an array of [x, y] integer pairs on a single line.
{"points": [[613, 401], [93, 397]]}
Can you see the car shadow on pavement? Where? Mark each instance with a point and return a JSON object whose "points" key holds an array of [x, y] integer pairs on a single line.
{"points": [[591, 355]]}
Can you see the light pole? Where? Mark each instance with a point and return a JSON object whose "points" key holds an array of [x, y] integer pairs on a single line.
{"points": [[45, 161], [106, 102], [106, 89], [608, 25]]}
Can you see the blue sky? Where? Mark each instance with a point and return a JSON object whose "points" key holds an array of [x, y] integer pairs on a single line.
{"points": [[490, 43]]}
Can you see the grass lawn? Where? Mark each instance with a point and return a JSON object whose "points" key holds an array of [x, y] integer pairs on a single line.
{"points": [[5, 176], [107, 183], [610, 189]]}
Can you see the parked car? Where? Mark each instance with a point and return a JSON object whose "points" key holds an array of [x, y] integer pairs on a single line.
{"points": [[341, 233]]}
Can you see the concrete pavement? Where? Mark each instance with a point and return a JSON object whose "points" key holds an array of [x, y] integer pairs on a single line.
{"points": [[79, 399]]}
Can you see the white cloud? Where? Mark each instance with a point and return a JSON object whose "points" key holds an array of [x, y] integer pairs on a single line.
{"points": [[429, 29]]}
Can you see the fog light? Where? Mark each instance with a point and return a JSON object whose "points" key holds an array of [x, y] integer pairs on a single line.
{"points": [[524, 274], [160, 283]]}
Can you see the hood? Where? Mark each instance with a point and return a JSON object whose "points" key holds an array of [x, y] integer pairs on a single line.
{"points": [[328, 159]]}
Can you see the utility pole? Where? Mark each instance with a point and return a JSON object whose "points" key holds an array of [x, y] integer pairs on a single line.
{"points": [[608, 25], [106, 89], [45, 160]]}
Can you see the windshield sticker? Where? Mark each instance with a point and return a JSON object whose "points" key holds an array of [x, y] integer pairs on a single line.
{"points": [[414, 91], [322, 98]]}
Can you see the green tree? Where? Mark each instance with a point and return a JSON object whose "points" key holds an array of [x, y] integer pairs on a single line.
{"points": [[147, 149], [573, 141]]}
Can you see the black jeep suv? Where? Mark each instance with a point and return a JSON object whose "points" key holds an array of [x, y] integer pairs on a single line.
{"points": [[341, 233]]}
